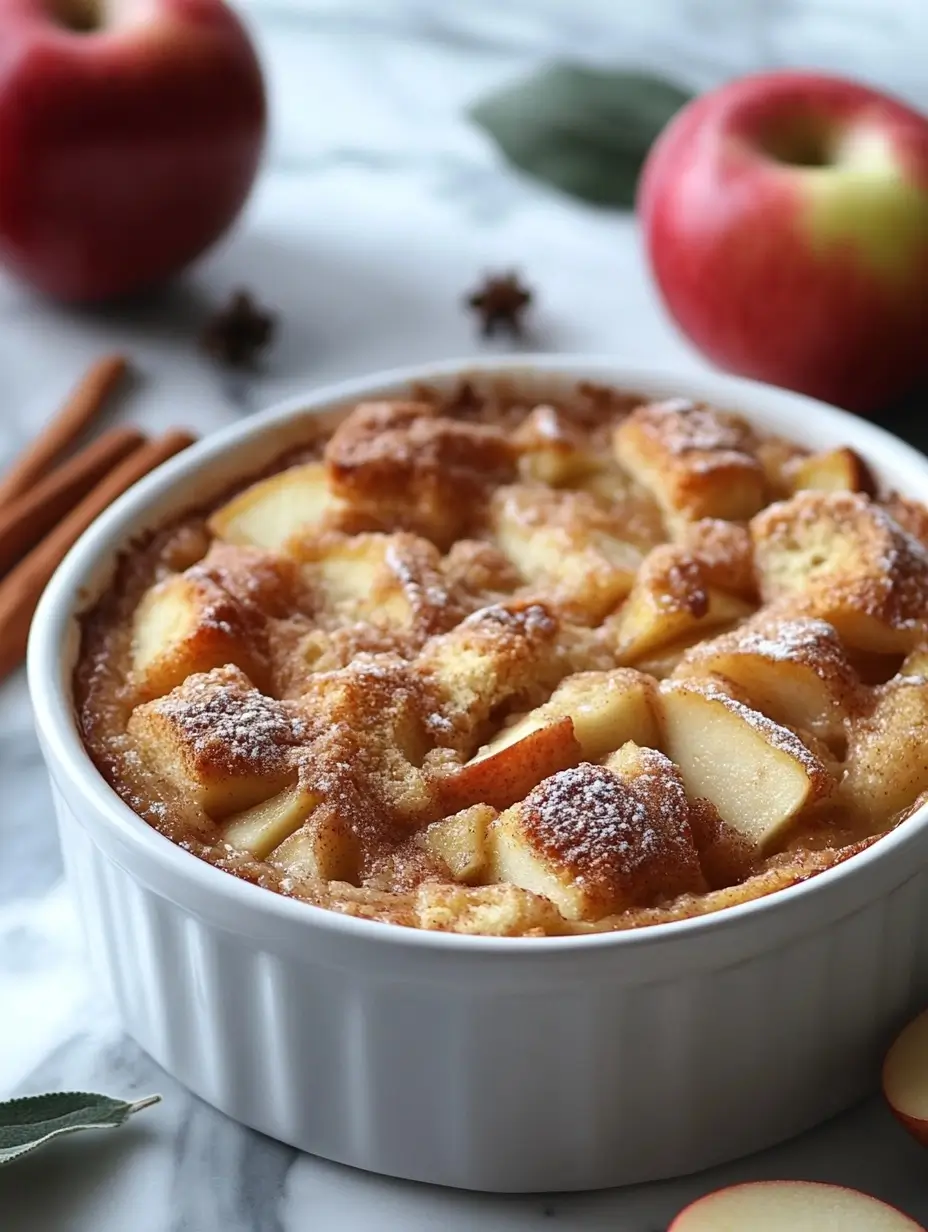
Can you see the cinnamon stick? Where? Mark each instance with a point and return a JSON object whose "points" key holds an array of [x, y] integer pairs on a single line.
{"points": [[25, 519], [22, 587], [82, 407]]}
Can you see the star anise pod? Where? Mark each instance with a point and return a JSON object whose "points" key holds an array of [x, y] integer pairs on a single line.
{"points": [[501, 303], [239, 332]]}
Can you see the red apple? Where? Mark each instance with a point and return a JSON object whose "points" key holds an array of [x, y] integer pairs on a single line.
{"points": [[791, 1206], [905, 1078], [786, 218], [130, 134]]}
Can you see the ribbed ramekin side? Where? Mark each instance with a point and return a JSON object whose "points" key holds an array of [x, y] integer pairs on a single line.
{"points": [[521, 1090]]}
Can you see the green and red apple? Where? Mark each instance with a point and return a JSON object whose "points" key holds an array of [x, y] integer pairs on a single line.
{"points": [[786, 220], [130, 135]]}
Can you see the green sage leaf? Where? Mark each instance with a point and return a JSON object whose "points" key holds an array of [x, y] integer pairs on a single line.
{"points": [[585, 131], [28, 1123]]}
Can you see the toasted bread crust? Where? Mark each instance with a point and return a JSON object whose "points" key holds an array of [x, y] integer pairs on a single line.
{"points": [[390, 677]]}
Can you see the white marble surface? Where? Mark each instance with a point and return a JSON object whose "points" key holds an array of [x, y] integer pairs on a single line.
{"points": [[379, 207]]}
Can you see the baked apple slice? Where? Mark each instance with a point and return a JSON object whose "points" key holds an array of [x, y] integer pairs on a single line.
{"points": [[905, 1078], [596, 840], [323, 848], [791, 1206], [274, 510], [569, 541], [265, 826], [833, 470], [670, 601], [461, 842], [499, 776], [794, 671], [758, 775]]}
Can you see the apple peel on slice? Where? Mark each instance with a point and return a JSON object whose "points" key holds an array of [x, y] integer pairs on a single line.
{"points": [[791, 1206], [499, 776], [905, 1078]]}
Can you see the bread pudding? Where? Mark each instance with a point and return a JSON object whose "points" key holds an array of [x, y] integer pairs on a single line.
{"points": [[467, 663]]}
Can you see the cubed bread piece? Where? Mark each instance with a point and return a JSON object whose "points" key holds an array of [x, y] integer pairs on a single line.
{"points": [[841, 557], [273, 511], [187, 624], [833, 470], [726, 856], [779, 458], [795, 671], [488, 911], [596, 841], [380, 719], [500, 776], [394, 581], [498, 656], [552, 449], [887, 757], [264, 826], [460, 841], [219, 740], [606, 709], [724, 553], [911, 515], [415, 469], [324, 848], [670, 601], [759, 775], [698, 461], [568, 541]]}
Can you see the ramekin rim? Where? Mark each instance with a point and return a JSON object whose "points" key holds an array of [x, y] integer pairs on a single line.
{"points": [[53, 710]]}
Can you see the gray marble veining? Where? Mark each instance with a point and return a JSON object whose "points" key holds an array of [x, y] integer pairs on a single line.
{"points": [[379, 207]]}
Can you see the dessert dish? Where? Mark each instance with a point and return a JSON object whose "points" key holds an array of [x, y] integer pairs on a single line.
{"points": [[599, 1057], [477, 664]]}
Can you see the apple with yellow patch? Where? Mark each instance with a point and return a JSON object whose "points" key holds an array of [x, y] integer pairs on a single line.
{"points": [[786, 218]]}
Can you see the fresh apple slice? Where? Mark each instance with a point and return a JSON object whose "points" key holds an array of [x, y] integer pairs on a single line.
{"points": [[272, 511], [501, 776], [460, 840], [757, 774], [791, 1206], [834, 470], [905, 1078]]}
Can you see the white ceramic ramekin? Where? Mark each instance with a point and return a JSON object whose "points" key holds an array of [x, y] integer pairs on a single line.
{"points": [[511, 1065]]}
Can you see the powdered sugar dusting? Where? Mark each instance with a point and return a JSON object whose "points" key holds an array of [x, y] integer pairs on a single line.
{"points": [[605, 829], [226, 717]]}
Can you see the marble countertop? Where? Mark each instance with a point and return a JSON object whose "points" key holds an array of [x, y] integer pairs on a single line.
{"points": [[378, 209]]}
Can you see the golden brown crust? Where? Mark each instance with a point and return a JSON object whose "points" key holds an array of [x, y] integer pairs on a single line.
{"points": [[698, 461], [319, 661], [421, 471]]}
